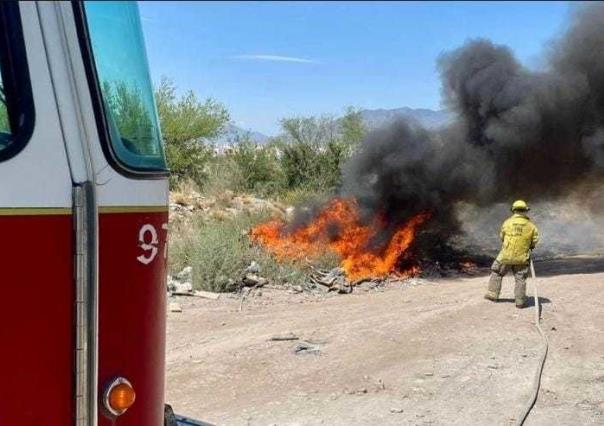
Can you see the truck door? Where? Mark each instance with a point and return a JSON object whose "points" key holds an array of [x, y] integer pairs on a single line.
{"points": [[129, 175]]}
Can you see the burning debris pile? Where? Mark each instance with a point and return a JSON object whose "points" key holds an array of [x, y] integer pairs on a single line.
{"points": [[338, 228], [518, 134]]}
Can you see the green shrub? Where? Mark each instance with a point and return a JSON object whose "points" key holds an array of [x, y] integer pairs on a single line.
{"points": [[313, 149], [221, 175], [186, 122], [256, 166], [189, 161], [302, 195]]}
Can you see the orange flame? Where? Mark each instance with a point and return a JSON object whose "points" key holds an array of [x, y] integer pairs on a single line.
{"points": [[337, 228]]}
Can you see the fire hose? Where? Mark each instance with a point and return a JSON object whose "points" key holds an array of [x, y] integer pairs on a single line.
{"points": [[537, 380]]}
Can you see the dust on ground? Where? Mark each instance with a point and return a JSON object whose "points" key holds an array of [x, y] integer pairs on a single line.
{"points": [[433, 353]]}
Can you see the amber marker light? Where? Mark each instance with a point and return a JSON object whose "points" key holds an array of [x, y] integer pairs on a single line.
{"points": [[119, 396]]}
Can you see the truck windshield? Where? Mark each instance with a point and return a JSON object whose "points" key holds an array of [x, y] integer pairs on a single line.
{"points": [[123, 76]]}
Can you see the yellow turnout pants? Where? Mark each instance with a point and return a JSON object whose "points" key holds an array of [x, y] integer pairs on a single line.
{"points": [[498, 271]]}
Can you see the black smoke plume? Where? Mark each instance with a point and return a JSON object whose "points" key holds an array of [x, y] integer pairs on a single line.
{"points": [[517, 134]]}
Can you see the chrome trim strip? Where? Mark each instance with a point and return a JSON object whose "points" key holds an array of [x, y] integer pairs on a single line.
{"points": [[86, 305]]}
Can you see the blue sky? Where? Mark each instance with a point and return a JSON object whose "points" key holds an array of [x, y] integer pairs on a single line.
{"points": [[267, 60]]}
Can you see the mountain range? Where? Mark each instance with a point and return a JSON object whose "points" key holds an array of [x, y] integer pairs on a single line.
{"points": [[428, 118], [232, 134], [372, 118]]}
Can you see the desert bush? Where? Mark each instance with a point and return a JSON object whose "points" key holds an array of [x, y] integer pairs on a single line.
{"points": [[189, 161], [220, 176], [256, 167], [302, 196], [313, 149], [186, 124]]}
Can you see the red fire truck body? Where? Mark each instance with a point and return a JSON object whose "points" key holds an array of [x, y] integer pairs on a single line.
{"points": [[83, 218]]}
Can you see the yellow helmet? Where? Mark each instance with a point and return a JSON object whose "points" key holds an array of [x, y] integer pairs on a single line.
{"points": [[520, 205]]}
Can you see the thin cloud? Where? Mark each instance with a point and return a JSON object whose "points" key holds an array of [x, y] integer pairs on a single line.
{"points": [[276, 58]]}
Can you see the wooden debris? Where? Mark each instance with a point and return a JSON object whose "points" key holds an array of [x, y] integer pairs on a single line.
{"points": [[253, 280], [284, 337], [207, 295]]}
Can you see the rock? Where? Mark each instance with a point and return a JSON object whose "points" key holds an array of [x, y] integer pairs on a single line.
{"points": [[253, 268], [170, 283], [174, 307], [306, 348], [342, 288], [253, 280], [333, 275], [187, 203], [320, 288], [185, 275], [366, 285], [297, 289], [396, 410], [182, 288]]}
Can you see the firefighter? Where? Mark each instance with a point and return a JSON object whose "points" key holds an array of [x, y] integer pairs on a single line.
{"points": [[519, 236]]}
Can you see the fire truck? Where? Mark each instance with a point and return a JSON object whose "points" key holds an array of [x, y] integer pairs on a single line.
{"points": [[83, 219]]}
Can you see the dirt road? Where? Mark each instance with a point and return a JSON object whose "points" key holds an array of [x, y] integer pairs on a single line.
{"points": [[433, 354]]}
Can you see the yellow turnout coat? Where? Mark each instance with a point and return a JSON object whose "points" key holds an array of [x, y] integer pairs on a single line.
{"points": [[519, 235]]}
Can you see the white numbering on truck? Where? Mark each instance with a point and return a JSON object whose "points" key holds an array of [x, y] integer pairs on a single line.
{"points": [[149, 242]]}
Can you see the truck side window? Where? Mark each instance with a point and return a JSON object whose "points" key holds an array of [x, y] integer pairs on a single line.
{"points": [[123, 80], [5, 131], [16, 102]]}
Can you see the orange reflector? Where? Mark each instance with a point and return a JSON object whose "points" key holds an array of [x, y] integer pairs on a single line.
{"points": [[119, 397]]}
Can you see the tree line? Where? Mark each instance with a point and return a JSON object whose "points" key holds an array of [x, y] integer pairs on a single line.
{"points": [[306, 155]]}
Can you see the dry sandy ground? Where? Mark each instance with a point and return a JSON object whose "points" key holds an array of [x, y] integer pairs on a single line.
{"points": [[430, 354]]}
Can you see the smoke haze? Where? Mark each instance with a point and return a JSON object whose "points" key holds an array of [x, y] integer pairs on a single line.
{"points": [[538, 136]]}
